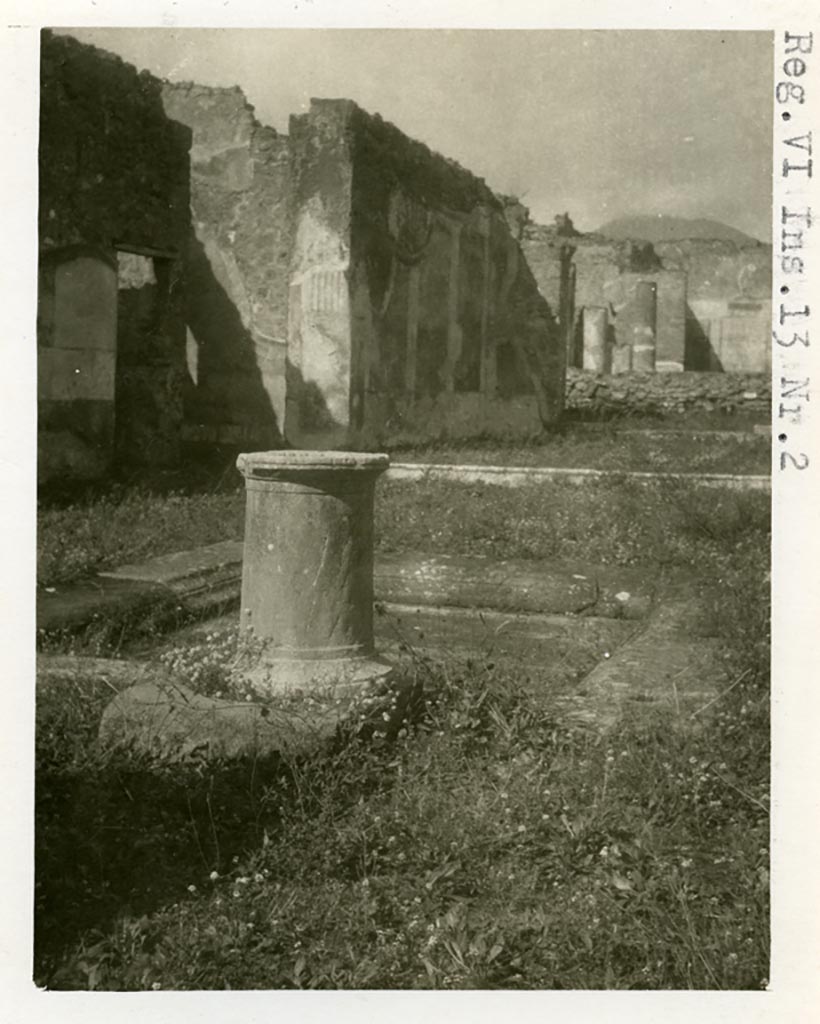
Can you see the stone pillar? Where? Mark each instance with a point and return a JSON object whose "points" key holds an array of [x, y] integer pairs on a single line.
{"points": [[307, 571], [596, 352], [644, 327]]}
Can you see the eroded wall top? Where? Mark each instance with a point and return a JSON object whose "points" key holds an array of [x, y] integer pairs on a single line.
{"points": [[113, 167]]}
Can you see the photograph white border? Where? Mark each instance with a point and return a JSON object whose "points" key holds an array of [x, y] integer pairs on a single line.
{"points": [[794, 987]]}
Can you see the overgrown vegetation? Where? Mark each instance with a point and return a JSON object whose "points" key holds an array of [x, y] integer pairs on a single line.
{"points": [[487, 846], [484, 844], [127, 526], [611, 522]]}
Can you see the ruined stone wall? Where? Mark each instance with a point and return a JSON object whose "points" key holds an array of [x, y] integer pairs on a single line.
{"points": [[606, 276], [641, 393], [728, 303], [550, 258], [413, 312], [113, 179], [713, 298], [238, 250]]}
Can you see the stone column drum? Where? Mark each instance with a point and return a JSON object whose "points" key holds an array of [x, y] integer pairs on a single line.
{"points": [[596, 351], [645, 327], [307, 571]]}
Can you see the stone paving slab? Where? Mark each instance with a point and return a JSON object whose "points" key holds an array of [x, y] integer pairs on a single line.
{"points": [[209, 578], [521, 585], [76, 605], [185, 570], [648, 665], [545, 653], [665, 665]]}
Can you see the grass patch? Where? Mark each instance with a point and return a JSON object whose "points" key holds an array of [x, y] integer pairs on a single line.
{"points": [[125, 526], [486, 847], [611, 522]]}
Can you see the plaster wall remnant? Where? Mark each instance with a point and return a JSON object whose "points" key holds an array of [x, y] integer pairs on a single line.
{"points": [[729, 304], [425, 318], [549, 252], [713, 297], [237, 252], [611, 274]]}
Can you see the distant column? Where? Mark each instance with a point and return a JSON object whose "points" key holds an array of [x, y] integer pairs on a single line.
{"points": [[644, 327], [595, 323], [307, 570]]}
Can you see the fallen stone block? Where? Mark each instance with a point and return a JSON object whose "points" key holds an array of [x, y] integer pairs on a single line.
{"points": [[170, 721]]}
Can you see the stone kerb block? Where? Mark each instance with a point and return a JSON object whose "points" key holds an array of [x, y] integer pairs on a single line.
{"points": [[307, 575]]}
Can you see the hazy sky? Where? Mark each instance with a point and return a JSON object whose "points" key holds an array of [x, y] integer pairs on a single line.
{"points": [[601, 124]]}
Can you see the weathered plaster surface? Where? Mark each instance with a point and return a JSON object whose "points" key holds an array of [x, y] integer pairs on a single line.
{"points": [[412, 309], [237, 248], [113, 178], [728, 303]]}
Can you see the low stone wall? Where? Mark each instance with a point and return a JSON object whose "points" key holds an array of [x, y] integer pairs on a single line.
{"points": [[667, 392]]}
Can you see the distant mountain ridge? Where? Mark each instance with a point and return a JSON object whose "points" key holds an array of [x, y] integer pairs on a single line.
{"points": [[663, 228]]}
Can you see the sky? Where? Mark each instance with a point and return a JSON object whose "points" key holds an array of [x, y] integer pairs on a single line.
{"points": [[601, 124]]}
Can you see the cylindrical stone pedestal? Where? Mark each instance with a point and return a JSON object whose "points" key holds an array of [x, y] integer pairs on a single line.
{"points": [[307, 571], [644, 327], [596, 352]]}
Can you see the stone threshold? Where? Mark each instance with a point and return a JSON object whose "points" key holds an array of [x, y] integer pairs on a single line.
{"points": [[208, 579], [519, 476]]}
